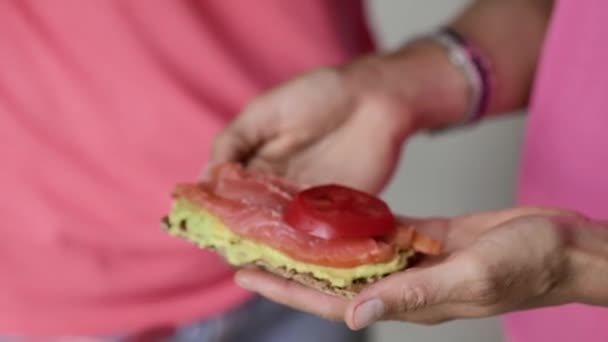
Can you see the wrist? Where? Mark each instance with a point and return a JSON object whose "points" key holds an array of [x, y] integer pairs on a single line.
{"points": [[587, 252], [420, 79]]}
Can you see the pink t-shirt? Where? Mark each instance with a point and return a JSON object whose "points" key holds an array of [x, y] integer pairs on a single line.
{"points": [[565, 161], [104, 106]]}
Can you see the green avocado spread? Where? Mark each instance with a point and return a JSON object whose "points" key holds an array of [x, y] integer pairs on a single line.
{"points": [[207, 231]]}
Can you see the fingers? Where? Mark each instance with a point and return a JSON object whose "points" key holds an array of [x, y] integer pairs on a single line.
{"points": [[484, 221], [421, 295], [460, 232], [229, 146], [292, 294], [235, 143], [244, 135]]}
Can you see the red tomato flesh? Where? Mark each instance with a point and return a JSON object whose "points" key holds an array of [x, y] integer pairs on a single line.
{"points": [[336, 212]]}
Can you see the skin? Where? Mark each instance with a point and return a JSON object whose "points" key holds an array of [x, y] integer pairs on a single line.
{"points": [[493, 263], [317, 128]]}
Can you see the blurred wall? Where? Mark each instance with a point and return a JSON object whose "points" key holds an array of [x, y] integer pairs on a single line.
{"points": [[465, 170]]}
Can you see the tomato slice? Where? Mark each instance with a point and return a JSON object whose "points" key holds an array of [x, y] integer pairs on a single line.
{"points": [[337, 212]]}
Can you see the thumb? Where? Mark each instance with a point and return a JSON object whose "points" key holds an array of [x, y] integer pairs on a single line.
{"points": [[228, 146], [233, 144], [244, 135], [405, 295]]}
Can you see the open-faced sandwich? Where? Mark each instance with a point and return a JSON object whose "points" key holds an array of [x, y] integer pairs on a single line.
{"points": [[330, 237]]}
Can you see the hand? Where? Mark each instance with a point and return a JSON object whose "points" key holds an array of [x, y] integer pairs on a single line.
{"points": [[328, 125], [347, 124], [493, 263]]}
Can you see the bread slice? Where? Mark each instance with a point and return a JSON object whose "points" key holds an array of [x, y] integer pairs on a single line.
{"points": [[324, 286], [227, 243]]}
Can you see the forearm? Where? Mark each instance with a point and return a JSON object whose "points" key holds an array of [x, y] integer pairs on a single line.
{"points": [[588, 253], [508, 33]]}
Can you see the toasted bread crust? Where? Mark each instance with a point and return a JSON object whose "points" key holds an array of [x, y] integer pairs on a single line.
{"points": [[309, 280], [324, 286]]}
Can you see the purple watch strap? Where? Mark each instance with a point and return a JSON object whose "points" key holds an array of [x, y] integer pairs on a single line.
{"points": [[483, 69]]}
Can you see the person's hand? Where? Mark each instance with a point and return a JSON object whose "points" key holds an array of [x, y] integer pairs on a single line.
{"points": [[325, 126], [493, 263], [345, 124]]}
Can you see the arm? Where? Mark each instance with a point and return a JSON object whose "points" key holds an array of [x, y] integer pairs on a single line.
{"points": [[589, 262], [288, 129], [509, 33]]}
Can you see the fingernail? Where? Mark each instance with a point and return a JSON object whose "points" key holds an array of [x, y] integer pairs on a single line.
{"points": [[368, 312], [242, 282]]}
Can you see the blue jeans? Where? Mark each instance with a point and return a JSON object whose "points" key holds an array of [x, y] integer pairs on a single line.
{"points": [[257, 321]]}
